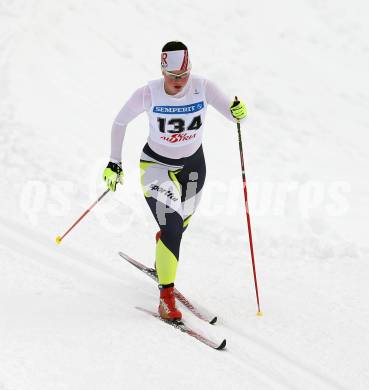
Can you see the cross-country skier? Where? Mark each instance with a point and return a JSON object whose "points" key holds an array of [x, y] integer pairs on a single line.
{"points": [[172, 161]]}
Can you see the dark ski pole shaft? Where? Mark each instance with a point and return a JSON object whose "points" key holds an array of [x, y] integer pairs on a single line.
{"points": [[58, 239], [259, 313]]}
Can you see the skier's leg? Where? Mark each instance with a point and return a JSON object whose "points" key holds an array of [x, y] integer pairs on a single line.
{"points": [[192, 179], [163, 196], [164, 199], [168, 245]]}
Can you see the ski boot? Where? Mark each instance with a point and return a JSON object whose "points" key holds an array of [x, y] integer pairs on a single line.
{"points": [[167, 307]]}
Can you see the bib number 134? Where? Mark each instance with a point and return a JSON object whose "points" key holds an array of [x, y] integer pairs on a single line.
{"points": [[178, 124]]}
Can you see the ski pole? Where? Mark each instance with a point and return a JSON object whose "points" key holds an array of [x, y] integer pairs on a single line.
{"points": [[259, 312], [58, 239]]}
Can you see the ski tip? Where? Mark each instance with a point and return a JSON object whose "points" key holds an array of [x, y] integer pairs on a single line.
{"points": [[222, 345], [213, 321]]}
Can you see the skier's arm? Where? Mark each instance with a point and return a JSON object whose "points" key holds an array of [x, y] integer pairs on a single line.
{"points": [[216, 98], [136, 104]]}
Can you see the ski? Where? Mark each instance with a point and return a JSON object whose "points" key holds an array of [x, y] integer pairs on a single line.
{"points": [[180, 325], [151, 272]]}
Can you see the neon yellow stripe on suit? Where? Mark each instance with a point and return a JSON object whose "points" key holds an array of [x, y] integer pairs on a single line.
{"points": [[166, 264], [187, 221], [143, 166], [173, 177]]}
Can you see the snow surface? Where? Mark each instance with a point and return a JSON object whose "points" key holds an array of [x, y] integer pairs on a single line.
{"points": [[68, 317]]}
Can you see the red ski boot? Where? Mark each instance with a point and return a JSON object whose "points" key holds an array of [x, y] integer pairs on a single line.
{"points": [[157, 236], [167, 307]]}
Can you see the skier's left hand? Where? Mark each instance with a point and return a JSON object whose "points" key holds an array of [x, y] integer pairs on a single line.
{"points": [[238, 109]]}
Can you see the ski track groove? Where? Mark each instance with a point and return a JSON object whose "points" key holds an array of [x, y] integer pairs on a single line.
{"points": [[23, 240], [316, 379]]}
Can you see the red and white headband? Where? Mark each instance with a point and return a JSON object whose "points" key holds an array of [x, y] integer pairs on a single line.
{"points": [[175, 60]]}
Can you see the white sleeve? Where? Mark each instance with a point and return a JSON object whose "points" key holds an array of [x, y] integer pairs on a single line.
{"points": [[139, 102], [216, 98]]}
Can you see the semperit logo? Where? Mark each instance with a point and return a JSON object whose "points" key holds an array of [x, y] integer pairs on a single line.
{"points": [[187, 109]]}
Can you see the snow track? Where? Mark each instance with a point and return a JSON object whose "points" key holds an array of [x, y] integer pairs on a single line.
{"points": [[63, 286]]}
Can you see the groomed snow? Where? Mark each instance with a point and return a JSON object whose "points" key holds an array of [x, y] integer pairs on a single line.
{"points": [[67, 313]]}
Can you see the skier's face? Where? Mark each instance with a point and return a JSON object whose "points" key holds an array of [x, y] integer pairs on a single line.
{"points": [[173, 84]]}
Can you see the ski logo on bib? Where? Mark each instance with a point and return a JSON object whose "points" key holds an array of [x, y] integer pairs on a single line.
{"points": [[187, 109]]}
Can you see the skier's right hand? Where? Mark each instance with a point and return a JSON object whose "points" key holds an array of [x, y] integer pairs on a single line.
{"points": [[113, 174]]}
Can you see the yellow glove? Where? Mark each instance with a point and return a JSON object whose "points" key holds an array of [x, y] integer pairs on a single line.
{"points": [[238, 109], [112, 175]]}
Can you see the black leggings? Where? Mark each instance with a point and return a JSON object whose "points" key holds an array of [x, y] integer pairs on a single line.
{"points": [[172, 189]]}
